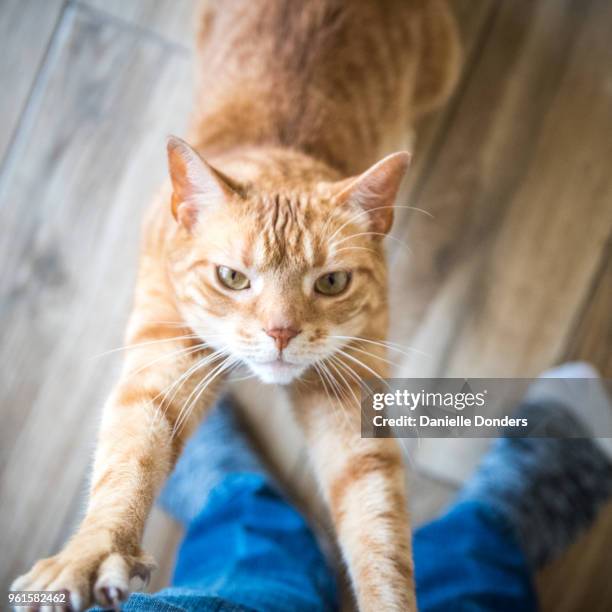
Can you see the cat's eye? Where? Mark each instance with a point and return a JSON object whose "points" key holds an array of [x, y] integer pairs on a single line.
{"points": [[332, 283], [232, 279]]}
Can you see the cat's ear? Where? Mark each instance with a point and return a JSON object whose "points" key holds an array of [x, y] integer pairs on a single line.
{"points": [[196, 185], [375, 190]]}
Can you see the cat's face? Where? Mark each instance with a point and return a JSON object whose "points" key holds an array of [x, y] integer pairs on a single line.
{"points": [[281, 280]]}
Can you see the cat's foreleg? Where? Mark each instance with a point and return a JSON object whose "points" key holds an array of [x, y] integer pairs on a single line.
{"points": [[363, 482], [145, 421]]}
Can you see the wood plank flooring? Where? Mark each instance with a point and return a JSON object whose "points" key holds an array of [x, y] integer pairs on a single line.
{"points": [[20, 68], [513, 274], [71, 214]]}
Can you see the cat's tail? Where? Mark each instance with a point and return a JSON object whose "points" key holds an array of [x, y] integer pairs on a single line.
{"points": [[441, 57]]}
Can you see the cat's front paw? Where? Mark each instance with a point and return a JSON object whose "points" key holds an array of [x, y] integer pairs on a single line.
{"points": [[88, 577]]}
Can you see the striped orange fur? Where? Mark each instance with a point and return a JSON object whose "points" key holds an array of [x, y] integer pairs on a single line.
{"points": [[283, 185]]}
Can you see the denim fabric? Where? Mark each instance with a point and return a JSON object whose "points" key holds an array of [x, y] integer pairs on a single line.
{"points": [[468, 560], [248, 549]]}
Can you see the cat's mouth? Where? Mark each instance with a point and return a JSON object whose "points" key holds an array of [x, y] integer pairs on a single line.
{"points": [[277, 371], [279, 362]]}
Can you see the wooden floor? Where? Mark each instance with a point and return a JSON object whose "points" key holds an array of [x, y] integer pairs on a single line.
{"points": [[512, 275]]}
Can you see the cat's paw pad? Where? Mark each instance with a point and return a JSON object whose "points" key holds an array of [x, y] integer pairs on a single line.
{"points": [[102, 579], [112, 585]]}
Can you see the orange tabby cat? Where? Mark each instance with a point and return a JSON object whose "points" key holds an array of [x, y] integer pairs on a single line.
{"points": [[269, 255]]}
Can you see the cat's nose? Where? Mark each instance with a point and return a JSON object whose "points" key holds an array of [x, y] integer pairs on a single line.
{"points": [[282, 335]]}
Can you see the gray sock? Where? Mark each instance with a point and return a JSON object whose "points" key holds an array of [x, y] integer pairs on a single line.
{"points": [[548, 489]]}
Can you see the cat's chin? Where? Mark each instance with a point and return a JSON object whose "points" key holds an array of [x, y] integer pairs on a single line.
{"points": [[277, 372]]}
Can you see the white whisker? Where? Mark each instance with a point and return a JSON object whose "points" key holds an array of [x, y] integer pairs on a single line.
{"points": [[332, 363], [335, 387], [385, 343], [355, 248], [389, 236], [363, 365], [370, 354], [371, 210], [145, 343], [178, 383], [185, 375], [187, 408], [195, 392], [186, 350]]}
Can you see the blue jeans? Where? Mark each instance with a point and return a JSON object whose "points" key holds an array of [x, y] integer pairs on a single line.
{"points": [[250, 550]]}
